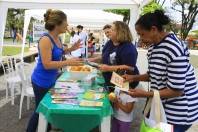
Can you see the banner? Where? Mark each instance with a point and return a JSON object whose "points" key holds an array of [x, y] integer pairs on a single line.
{"points": [[38, 30]]}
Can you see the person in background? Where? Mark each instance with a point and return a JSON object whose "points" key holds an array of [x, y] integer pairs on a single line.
{"points": [[83, 38], [107, 30], [169, 71], [50, 53], [119, 53], [91, 45], [30, 37], [73, 39], [123, 105], [90, 35], [14, 35]]}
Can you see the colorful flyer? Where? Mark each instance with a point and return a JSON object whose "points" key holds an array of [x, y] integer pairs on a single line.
{"points": [[64, 96], [90, 95], [68, 102], [91, 103]]}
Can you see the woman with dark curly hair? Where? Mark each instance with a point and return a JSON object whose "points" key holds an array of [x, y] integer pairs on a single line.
{"points": [[169, 71]]}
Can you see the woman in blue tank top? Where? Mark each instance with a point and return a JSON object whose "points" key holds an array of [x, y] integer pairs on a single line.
{"points": [[51, 51]]}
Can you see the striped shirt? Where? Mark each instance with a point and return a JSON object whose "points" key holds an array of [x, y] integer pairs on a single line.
{"points": [[169, 67]]}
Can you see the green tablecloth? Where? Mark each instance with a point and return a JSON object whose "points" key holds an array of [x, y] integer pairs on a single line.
{"points": [[72, 118]]}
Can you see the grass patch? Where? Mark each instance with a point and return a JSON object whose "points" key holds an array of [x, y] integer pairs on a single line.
{"points": [[12, 50]]}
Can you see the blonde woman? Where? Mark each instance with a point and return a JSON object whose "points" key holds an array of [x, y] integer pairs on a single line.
{"points": [[119, 53]]}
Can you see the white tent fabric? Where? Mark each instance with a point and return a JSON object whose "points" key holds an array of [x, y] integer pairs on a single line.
{"points": [[133, 5], [87, 18]]}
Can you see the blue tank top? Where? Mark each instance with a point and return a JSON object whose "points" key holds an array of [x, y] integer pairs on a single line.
{"points": [[46, 78]]}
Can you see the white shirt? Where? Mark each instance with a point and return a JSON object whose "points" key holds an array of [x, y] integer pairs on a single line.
{"points": [[73, 40], [119, 114], [83, 38], [105, 40]]}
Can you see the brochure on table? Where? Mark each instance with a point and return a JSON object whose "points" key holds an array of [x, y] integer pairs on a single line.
{"points": [[65, 92]]}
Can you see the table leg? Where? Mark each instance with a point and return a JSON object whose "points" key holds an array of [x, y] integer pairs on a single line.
{"points": [[42, 124], [106, 124]]}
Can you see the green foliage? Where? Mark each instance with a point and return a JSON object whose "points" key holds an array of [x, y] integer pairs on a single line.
{"points": [[151, 7], [123, 12], [15, 18]]}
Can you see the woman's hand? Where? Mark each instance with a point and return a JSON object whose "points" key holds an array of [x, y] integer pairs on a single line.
{"points": [[129, 78], [76, 46], [139, 93], [74, 62], [105, 68], [125, 67], [92, 59]]}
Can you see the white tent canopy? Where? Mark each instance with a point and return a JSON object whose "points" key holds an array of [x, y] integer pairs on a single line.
{"points": [[133, 5], [87, 18]]}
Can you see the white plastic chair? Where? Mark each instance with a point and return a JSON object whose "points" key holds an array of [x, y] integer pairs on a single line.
{"points": [[11, 77], [27, 89]]}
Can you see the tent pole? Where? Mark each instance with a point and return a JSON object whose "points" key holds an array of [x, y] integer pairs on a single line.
{"points": [[25, 29], [3, 16], [134, 14]]}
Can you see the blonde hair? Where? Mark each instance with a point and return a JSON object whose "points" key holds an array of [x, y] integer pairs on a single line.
{"points": [[54, 18], [123, 32]]}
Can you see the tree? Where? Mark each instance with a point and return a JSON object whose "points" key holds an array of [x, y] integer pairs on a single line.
{"points": [[15, 20], [188, 10], [173, 27], [151, 7], [124, 12]]}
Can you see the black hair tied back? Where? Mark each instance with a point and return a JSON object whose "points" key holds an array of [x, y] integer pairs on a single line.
{"points": [[157, 18], [163, 19]]}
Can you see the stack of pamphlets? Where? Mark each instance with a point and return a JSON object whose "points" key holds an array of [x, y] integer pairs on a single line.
{"points": [[72, 87], [67, 101]]}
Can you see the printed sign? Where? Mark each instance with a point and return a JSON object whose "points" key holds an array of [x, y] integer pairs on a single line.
{"points": [[38, 30]]}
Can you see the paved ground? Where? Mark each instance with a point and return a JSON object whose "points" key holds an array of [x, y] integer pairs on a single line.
{"points": [[9, 114]]}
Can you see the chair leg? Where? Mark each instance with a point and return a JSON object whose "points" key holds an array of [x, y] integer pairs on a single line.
{"points": [[19, 90], [21, 104], [7, 91], [12, 94], [28, 103]]}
